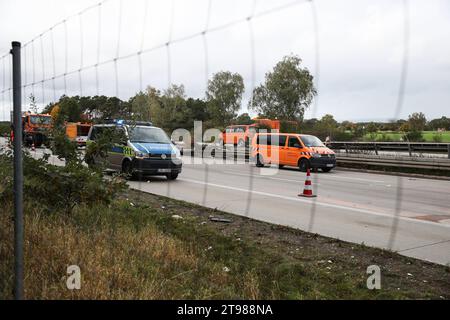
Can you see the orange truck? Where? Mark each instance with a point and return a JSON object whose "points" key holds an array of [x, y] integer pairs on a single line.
{"points": [[78, 132], [241, 135], [35, 128]]}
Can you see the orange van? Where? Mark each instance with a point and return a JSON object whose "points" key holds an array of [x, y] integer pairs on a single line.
{"points": [[292, 149]]}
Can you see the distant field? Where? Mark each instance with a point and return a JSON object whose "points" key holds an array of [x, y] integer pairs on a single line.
{"points": [[396, 136]]}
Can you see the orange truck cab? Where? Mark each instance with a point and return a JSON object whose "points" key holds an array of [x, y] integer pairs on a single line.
{"points": [[239, 135], [35, 128], [292, 149]]}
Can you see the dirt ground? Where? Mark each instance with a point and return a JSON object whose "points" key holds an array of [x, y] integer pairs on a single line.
{"points": [[411, 277]]}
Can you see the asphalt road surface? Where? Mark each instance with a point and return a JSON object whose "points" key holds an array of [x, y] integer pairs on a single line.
{"points": [[407, 215]]}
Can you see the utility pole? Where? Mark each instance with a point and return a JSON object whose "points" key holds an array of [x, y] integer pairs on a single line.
{"points": [[18, 172]]}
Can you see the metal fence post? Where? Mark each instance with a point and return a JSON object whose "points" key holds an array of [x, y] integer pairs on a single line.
{"points": [[18, 172]]}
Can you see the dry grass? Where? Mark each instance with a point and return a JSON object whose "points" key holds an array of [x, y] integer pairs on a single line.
{"points": [[116, 263], [138, 251]]}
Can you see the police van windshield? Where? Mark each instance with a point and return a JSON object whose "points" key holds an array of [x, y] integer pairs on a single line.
{"points": [[148, 135], [312, 141]]}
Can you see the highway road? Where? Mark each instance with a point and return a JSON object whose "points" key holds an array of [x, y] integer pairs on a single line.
{"points": [[407, 215]]}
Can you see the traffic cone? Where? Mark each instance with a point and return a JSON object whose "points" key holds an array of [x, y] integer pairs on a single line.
{"points": [[33, 148], [307, 191]]}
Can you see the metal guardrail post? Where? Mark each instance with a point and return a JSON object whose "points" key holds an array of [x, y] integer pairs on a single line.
{"points": [[448, 148], [409, 150], [18, 172], [375, 146], [346, 148]]}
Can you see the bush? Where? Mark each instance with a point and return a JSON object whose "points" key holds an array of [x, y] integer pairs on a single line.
{"points": [[59, 188], [5, 128], [437, 137], [413, 136], [384, 138]]}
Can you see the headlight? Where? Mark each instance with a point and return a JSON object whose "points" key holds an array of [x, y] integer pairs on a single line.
{"points": [[139, 155], [177, 155], [316, 155]]}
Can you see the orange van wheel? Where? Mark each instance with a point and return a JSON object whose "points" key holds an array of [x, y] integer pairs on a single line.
{"points": [[304, 164]]}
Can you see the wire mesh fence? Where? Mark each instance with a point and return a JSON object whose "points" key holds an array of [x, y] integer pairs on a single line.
{"points": [[114, 48]]}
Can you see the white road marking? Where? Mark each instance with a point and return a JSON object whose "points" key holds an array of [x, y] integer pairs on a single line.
{"points": [[262, 177], [323, 204]]}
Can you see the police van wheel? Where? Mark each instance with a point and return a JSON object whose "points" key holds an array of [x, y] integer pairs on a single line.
{"points": [[127, 170], [172, 176]]}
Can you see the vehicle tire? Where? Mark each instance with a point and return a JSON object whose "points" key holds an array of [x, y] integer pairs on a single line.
{"points": [[304, 164], [326, 169], [241, 143], [280, 166], [127, 170], [259, 160], [172, 176]]}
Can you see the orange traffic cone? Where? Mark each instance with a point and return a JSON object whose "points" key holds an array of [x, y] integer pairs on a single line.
{"points": [[307, 191]]}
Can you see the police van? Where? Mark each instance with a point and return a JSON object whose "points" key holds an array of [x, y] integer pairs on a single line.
{"points": [[142, 149]]}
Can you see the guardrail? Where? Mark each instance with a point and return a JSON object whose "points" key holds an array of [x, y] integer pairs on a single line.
{"points": [[400, 162], [346, 159], [409, 147]]}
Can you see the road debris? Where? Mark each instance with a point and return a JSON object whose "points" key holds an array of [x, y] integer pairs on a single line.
{"points": [[220, 219]]}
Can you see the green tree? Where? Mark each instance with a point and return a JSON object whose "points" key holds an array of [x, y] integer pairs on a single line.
{"points": [[243, 119], [224, 96], [168, 110], [287, 92], [33, 104], [198, 110], [372, 127], [326, 126], [140, 107], [440, 123], [417, 121]]}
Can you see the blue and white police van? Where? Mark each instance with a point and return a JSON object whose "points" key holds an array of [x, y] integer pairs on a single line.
{"points": [[143, 150]]}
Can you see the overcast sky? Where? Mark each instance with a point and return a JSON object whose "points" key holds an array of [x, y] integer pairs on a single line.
{"points": [[361, 46]]}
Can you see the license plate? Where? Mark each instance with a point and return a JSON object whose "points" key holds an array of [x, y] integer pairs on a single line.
{"points": [[330, 165], [164, 170]]}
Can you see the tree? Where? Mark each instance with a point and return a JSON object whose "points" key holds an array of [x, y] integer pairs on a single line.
{"points": [[440, 123], [224, 96], [372, 127], [414, 126], [326, 126], [243, 119], [287, 92], [33, 104], [197, 109], [417, 121], [168, 109], [140, 108]]}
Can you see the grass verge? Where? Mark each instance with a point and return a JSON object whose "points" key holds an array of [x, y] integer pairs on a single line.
{"points": [[144, 246]]}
